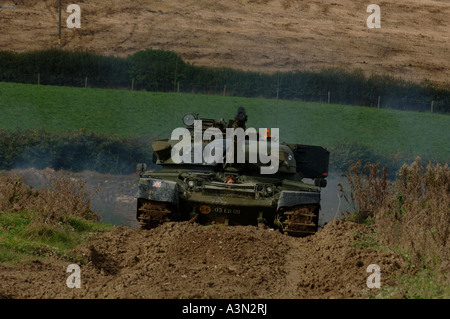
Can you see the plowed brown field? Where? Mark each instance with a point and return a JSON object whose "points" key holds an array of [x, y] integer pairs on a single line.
{"points": [[259, 35]]}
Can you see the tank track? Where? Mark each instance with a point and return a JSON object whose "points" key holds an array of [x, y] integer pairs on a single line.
{"points": [[152, 214], [301, 221]]}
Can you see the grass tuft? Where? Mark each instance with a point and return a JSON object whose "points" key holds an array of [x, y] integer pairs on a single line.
{"points": [[49, 222]]}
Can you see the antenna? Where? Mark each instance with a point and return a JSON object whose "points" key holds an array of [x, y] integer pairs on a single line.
{"points": [[278, 90]]}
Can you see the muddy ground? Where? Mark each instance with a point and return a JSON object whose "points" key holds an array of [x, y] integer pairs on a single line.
{"points": [[184, 260]]}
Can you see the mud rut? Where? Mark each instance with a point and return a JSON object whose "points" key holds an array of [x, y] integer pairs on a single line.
{"points": [[185, 260]]}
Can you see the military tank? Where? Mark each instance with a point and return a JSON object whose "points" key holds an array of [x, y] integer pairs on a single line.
{"points": [[232, 192]]}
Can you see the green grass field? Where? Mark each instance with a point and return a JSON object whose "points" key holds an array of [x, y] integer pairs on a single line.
{"points": [[22, 239], [128, 113]]}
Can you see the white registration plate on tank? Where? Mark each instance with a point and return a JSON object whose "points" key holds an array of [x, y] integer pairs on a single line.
{"points": [[223, 210]]}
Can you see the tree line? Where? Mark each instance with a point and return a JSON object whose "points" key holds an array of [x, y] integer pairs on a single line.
{"points": [[165, 71]]}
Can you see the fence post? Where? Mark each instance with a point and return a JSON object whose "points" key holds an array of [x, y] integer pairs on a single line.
{"points": [[328, 97], [39, 78], [178, 87], [224, 90], [85, 82], [432, 102], [379, 99], [132, 84]]}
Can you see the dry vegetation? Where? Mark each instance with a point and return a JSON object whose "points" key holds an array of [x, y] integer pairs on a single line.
{"points": [[410, 214], [112, 196], [416, 217], [66, 197]]}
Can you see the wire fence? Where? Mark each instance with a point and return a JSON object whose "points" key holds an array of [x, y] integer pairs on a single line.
{"points": [[422, 104]]}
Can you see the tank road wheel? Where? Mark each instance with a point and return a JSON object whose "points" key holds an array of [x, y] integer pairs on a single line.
{"points": [[152, 214], [300, 221]]}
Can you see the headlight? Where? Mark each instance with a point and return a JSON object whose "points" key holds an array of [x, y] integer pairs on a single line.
{"points": [[191, 183], [269, 189], [188, 119]]}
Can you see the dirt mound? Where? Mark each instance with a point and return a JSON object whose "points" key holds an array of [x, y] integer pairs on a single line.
{"points": [[184, 260], [334, 262], [265, 36]]}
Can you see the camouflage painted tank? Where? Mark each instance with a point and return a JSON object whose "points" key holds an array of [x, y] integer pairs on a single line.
{"points": [[232, 192]]}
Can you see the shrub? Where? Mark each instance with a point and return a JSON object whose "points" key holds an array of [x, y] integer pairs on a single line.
{"points": [[73, 150], [368, 190], [65, 199], [416, 217], [411, 214], [156, 70]]}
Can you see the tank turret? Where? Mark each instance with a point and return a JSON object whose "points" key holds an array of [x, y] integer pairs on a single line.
{"points": [[200, 181]]}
